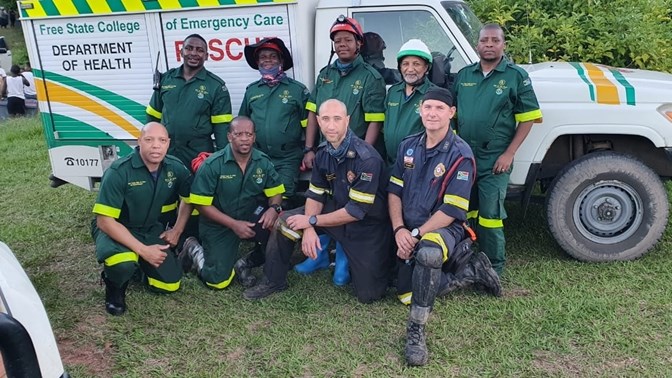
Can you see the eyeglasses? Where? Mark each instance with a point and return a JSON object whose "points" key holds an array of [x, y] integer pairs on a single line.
{"points": [[240, 134]]}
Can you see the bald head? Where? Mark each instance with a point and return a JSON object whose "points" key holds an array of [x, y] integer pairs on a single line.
{"points": [[335, 105], [153, 143], [153, 127], [333, 120]]}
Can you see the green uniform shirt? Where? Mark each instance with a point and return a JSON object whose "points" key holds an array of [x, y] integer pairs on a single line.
{"points": [[220, 182], [402, 116], [129, 193], [191, 111], [279, 116], [362, 91], [489, 108]]}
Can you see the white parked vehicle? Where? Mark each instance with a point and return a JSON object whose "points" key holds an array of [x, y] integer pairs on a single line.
{"points": [[599, 155], [26, 340]]}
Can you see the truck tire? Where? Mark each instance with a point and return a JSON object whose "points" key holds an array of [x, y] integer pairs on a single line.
{"points": [[607, 206]]}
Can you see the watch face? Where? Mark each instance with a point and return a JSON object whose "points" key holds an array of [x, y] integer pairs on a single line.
{"points": [[415, 233], [312, 220]]}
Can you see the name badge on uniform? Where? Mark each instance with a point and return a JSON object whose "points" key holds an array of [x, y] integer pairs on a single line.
{"points": [[408, 162], [330, 176]]}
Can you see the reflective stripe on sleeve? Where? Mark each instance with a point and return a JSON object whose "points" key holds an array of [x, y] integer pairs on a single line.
{"points": [[153, 112], [362, 197], [473, 214], [195, 199], [317, 190], [311, 106], [108, 211], [397, 181], [270, 192], [528, 116], [457, 201], [169, 207], [374, 117], [222, 118]]}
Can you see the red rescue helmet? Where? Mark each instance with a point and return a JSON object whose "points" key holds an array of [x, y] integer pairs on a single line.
{"points": [[348, 24]]}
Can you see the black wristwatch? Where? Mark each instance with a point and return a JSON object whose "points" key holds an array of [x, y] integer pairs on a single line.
{"points": [[416, 233], [277, 208], [307, 149], [312, 220]]}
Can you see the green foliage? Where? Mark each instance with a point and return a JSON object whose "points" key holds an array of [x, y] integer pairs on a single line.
{"points": [[622, 33]]}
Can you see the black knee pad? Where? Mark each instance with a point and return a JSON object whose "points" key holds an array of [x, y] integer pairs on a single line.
{"points": [[429, 257]]}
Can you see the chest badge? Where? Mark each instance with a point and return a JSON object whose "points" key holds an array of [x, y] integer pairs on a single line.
{"points": [[330, 176], [170, 179], [500, 87], [417, 108], [439, 170], [351, 176], [201, 92], [285, 96], [356, 87], [350, 154], [326, 80], [408, 161], [258, 176]]}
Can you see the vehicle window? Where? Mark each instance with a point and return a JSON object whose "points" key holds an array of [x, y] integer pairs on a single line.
{"points": [[396, 27]]}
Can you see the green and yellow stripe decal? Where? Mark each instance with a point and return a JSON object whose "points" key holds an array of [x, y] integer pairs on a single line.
{"points": [[64, 8], [69, 91], [602, 88]]}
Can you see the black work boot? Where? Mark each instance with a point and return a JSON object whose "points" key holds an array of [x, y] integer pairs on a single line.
{"points": [[115, 297], [243, 270], [263, 289], [477, 272], [416, 347], [189, 255]]}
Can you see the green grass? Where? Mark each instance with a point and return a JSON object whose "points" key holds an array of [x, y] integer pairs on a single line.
{"points": [[558, 317], [16, 43]]}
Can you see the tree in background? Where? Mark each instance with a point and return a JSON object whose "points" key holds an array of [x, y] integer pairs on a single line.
{"points": [[623, 33]]}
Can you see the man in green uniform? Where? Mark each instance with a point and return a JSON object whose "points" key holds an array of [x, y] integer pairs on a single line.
{"points": [[496, 108], [127, 232], [276, 104], [227, 190], [192, 103], [402, 104]]}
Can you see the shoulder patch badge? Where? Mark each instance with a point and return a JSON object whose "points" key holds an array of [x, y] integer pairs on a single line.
{"points": [[463, 175]]}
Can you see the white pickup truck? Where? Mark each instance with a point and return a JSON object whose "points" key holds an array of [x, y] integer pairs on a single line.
{"points": [[599, 155]]}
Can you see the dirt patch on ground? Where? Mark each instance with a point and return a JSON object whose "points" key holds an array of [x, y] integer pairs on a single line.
{"points": [[557, 365], [79, 347]]}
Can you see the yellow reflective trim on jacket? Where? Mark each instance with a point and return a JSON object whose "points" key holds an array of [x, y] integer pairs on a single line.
{"points": [[358, 196], [304, 123], [222, 118], [194, 213], [317, 190], [435, 237], [397, 181], [311, 106], [457, 201], [121, 257], [108, 211], [170, 287], [153, 112], [490, 223], [195, 199], [405, 298], [528, 116], [169, 207], [184, 199], [274, 191], [222, 284], [374, 117], [473, 214]]}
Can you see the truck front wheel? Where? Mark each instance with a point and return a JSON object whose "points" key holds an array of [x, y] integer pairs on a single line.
{"points": [[607, 207]]}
